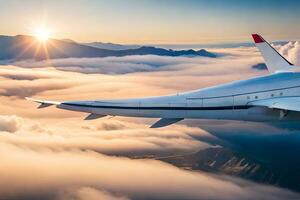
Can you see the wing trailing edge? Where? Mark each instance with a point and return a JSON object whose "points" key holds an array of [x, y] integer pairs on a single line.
{"points": [[43, 104]]}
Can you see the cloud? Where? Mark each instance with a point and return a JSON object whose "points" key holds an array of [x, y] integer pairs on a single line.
{"points": [[14, 73], [116, 125], [110, 137], [22, 82], [88, 193], [133, 64], [65, 153], [112, 65], [135, 179], [292, 51], [10, 123]]}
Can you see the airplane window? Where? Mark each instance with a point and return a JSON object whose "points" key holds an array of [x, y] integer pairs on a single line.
{"points": [[272, 95], [256, 97], [281, 94], [248, 97]]}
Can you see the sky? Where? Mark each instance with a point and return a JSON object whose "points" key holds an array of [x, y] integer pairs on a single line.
{"points": [[54, 154], [153, 22]]}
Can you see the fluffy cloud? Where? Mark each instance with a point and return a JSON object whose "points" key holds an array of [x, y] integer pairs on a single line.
{"points": [[135, 140], [147, 63], [87, 193], [119, 136], [65, 153], [116, 125], [10, 123], [57, 171], [116, 65], [292, 51]]}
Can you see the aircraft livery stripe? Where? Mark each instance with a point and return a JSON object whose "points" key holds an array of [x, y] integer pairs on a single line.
{"points": [[162, 108], [248, 93]]}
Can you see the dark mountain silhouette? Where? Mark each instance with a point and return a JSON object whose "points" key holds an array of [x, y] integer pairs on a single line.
{"points": [[111, 46], [282, 170], [27, 47]]}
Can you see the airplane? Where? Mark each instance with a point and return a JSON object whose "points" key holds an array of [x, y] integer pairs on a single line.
{"points": [[269, 98]]}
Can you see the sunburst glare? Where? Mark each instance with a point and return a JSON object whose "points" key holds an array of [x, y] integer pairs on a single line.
{"points": [[42, 34]]}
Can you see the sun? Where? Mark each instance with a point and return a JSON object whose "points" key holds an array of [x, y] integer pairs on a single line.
{"points": [[42, 34]]}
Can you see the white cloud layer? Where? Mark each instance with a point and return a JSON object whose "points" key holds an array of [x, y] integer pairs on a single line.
{"points": [[47, 173], [291, 51], [54, 154]]}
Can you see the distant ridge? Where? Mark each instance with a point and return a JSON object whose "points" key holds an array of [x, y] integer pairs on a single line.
{"points": [[111, 46], [28, 47]]}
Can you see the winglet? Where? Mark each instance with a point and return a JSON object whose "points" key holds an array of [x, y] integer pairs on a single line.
{"points": [[257, 38], [43, 103], [274, 61]]}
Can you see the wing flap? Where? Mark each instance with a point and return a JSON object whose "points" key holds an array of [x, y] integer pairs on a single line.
{"points": [[93, 116], [165, 122], [283, 103]]}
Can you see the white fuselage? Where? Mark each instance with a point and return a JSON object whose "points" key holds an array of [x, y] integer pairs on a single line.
{"points": [[228, 101]]}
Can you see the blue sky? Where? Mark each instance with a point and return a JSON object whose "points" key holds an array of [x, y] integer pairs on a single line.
{"points": [[153, 21]]}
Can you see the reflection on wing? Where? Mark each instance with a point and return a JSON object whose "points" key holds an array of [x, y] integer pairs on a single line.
{"points": [[283, 103]]}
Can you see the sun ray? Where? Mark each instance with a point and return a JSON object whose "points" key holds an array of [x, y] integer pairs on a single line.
{"points": [[25, 46]]}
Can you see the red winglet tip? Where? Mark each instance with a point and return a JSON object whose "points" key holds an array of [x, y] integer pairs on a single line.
{"points": [[257, 38]]}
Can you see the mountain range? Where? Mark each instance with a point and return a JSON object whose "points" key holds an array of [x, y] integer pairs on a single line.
{"points": [[283, 172], [111, 46], [28, 47]]}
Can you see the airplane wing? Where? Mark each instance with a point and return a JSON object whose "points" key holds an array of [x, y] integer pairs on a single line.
{"points": [[282, 103], [274, 61], [43, 104]]}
